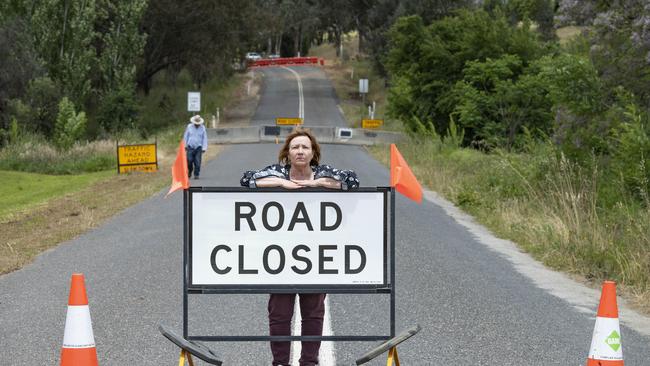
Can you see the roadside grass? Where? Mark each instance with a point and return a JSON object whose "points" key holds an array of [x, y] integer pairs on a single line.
{"points": [[21, 191], [28, 233], [574, 219], [551, 207], [33, 153], [39, 211]]}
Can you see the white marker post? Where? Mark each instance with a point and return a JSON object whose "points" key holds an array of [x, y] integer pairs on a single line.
{"points": [[363, 90]]}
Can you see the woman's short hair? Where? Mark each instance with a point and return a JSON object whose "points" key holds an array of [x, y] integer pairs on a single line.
{"points": [[283, 157]]}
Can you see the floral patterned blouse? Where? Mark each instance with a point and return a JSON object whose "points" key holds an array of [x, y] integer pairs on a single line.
{"points": [[348, 178]]}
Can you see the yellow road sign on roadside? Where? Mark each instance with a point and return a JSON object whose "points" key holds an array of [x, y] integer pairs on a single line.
{"points": [[149, 168], [371, 123], [288, 121], [142, 158]]}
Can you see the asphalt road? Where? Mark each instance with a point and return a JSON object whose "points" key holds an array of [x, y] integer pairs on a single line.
{"points": [[477, 300]]}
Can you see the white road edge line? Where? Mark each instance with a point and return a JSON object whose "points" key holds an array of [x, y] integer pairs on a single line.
{"points": [[301, 99], [326, 356], [581, 297]]}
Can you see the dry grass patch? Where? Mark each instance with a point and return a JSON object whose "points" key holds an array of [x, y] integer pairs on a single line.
{"points": [[27, 234], [555, 216]]}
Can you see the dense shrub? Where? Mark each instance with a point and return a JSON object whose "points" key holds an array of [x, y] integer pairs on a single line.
{"points": [[496, 102], [118, 110], [631, 153], [70, 126], [37, 110], [426, 63], [34, 153]]}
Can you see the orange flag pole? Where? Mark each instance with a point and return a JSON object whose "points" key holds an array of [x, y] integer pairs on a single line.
{"points": [[402, 178], [179, 171]]}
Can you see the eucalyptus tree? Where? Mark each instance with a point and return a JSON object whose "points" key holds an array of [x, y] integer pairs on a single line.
{"points": [[18, 65], [202, 35], [64, 33], [120, 45]]}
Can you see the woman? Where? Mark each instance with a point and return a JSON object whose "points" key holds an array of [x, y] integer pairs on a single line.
{"points": [[299, 167]]}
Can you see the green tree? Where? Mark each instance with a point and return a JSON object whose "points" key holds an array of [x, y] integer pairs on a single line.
{"points": [[64, 33], [497, 102], [425, 62], [70, 126], [203, 36], [122, 49], [541, 12], [580, 100], [38, 108], [122, 41], [18, 64]]}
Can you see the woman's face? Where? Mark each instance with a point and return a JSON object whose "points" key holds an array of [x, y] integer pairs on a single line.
{"points": [[300, 152]]}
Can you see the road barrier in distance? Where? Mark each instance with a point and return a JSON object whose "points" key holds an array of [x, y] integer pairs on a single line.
{"points": [[324, 134], [286, 61]]}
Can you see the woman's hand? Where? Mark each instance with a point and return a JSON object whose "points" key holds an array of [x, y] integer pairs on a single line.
{"points": [[277, 182], [320, 182], [287, 184]]}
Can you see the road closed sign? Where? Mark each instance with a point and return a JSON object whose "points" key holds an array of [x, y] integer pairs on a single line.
{"points": [[276, 238]]}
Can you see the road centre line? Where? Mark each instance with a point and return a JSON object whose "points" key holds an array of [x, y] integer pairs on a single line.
{"points": [[301, 99], [326, 356]]}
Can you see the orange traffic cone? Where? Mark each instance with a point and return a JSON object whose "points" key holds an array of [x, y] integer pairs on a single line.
{"points": [[78, 340], [606, 347]]}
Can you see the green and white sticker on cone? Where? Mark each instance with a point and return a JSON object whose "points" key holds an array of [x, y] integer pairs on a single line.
{"points": [[606, 341], [614, 340]]}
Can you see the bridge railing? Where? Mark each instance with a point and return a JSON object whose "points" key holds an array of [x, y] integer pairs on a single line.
{"points": [[324, 134]]}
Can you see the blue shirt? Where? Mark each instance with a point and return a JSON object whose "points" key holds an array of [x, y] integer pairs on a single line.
{"points": [[195, 137]]}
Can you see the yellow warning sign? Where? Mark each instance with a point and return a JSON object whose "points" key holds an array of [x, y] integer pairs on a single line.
{"points": [[136, 154], [288, 121], [371, 123], [140, 158], [149, 168]]}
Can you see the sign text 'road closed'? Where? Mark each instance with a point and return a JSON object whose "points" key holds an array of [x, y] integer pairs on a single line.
{"points": [[292, 238]]}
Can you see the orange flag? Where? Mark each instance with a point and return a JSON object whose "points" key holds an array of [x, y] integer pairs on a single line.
{"points": [[179, 171], [402, 178]]}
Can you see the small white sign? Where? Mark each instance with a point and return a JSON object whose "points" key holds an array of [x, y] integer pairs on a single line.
{"points": [[193, 101], [363, 85], [293, 238], [344, 133]]}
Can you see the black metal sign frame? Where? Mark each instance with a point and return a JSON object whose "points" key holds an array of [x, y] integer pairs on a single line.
{"points": [[388, 287]]}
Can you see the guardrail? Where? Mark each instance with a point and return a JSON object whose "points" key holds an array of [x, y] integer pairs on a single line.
{"points": [[286, 61], [324, 134]]}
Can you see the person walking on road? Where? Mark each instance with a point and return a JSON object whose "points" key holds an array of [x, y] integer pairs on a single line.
{"points": [[299, 167], [196, 143]]}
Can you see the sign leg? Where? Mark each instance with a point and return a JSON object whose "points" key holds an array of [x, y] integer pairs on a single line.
{"points": [[181, 359], [392, 357]]}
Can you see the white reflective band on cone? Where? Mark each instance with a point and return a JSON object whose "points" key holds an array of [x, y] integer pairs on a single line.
{"points": [[78, 328], [600, 342]]}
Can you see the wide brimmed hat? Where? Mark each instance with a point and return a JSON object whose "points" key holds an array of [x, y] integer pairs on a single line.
{"points": [[197, 120]]}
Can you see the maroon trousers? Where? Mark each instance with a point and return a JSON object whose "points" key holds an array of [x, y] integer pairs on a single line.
{"points": [[312, 310]]}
